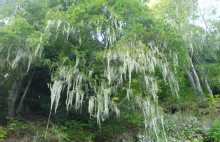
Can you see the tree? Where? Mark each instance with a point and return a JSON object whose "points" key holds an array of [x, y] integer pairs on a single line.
{"points": [[103, 61], [199, 41], [100, 54], [21, 45]]}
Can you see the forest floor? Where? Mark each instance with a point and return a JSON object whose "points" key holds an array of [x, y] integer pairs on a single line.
{"points": [[32, 128]]}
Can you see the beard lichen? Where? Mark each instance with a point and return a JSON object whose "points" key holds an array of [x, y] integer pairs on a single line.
{"points": [[120, 64]]}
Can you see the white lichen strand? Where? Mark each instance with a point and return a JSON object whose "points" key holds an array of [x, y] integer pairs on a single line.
{"points": [[122, 63], [55, 90]]}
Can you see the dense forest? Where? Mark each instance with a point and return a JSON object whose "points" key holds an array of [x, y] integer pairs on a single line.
{"points": [[109, 71]]}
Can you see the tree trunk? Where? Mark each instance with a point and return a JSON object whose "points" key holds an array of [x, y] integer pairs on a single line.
{"points": [[24, 95], [208, 87], [3, 77], [191, 80], [13, 95], [196, 78]]}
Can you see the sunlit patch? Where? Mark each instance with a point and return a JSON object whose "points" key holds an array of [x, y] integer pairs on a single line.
{"points": [[152, 3]]}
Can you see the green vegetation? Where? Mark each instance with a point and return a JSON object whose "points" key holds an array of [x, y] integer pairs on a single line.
{"points": [[214, 133], [109, 70]]}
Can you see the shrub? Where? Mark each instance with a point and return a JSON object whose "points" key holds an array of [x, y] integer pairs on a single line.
{"points": [[182, 127], [214, 133], [3, 133]]}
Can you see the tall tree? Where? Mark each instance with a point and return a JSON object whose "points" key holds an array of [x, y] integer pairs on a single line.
{"points": [[97, 51]]}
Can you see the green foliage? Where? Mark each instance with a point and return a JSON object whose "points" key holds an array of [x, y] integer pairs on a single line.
{"points": [[34, 131], [185, 127], [77, 38], [211, 70], [79, 131], [212, 104], [214, 133], [211, 101], [187, 101], [71, 130], [3, 133], [55, 133]]}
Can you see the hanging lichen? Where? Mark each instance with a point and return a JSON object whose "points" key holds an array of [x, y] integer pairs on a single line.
{"points": [[131, 58], [120, 59]]}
